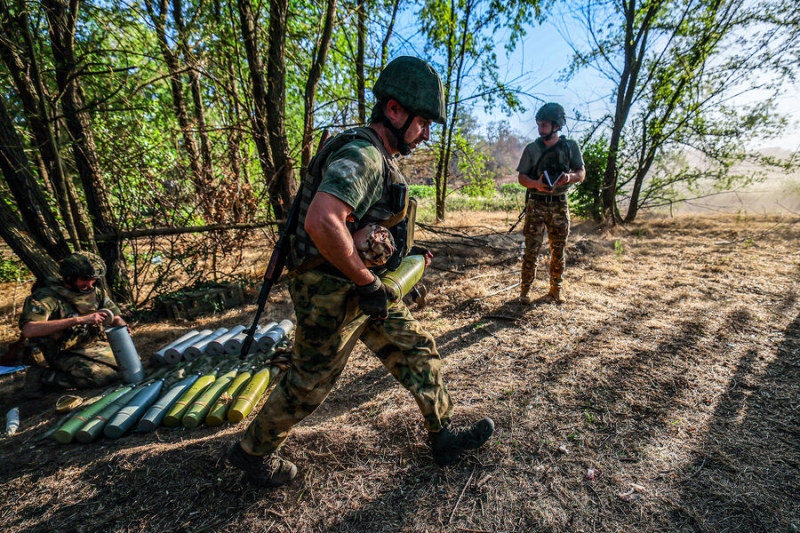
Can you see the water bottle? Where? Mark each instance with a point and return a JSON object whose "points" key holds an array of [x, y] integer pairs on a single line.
{"points": [[12, 421]]}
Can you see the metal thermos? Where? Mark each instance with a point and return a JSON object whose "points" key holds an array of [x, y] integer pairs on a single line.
{"points": [[128, 363]]}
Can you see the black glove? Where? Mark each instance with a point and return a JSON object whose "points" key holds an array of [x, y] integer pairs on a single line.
{"points": [[373, 299]]}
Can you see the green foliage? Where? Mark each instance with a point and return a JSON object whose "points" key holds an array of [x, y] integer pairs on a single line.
{"points": [[472, 167], [458, 202], [585, 201], [13, 270], [512, 189], [421, 191], [681, 70]]}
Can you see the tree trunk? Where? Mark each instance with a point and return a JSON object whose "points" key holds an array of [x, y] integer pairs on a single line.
{"points": [[635, 47], [62, 17], [18, 53], [205, 182], [388, 36], [314, 75], [16, 235], [159, 20], [249, 24], [282, 186], [31, 202], [361, 44]]}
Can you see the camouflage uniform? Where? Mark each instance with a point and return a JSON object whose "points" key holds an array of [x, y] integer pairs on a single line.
{"points": [[547, 211], [76, 357], [330, 322]]}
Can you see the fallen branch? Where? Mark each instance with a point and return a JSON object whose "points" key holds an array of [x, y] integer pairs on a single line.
{"points": [[154, 232], [461, 496]]}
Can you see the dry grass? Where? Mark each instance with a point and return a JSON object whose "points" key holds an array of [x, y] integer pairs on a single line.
{"points": [[673, 370]]}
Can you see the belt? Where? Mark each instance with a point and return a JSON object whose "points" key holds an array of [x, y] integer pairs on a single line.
{"points": [[547, 198]]}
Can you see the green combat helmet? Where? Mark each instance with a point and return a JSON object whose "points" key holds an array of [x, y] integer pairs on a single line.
{"points": [[83, 264], [552, 112], [415, 85]]}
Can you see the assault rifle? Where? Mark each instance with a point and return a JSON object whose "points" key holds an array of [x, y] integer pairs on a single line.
{"points": [[277, 261], [519, 219]]}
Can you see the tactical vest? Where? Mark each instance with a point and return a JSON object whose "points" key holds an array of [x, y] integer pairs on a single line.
{"points": [[554, 159], [389, 211], [70, 304]]}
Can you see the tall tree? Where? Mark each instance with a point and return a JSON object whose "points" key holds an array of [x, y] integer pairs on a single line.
{"points": [[37, 217], [63, 17], [282, 185], [677, 67], [462, 32], [318, 57]]}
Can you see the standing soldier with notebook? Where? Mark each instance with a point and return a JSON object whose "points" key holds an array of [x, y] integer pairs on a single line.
{"points": [[547, 168]]}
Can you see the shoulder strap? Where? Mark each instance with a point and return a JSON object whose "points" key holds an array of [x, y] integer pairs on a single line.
{"points": [[560, 145]]}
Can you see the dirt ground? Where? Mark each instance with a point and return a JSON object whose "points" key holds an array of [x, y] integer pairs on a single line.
{"points": [[663, 396]]}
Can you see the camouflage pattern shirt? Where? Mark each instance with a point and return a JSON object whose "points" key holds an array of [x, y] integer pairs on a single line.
{"points": [[354, 175], [55, 302]]}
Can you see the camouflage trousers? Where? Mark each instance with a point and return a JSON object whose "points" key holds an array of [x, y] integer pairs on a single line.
{"points": [[329, 323], [554, 217], [90, 367]]}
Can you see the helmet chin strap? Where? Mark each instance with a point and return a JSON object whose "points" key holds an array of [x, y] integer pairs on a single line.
{"points": [[400, 133], [553, 131]]}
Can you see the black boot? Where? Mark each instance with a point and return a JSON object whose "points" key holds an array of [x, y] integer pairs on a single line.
{"points": [[265, 471], [448, 443], [33, 386]]}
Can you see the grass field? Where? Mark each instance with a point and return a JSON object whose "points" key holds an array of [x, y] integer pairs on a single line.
{"points": [[663, 396]]}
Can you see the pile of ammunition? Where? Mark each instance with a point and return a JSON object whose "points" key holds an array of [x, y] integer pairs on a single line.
{"points": [[208, 385]]}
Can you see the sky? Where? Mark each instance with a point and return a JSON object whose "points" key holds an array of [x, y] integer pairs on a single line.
{"points": [[539, 61], [543, 56]]}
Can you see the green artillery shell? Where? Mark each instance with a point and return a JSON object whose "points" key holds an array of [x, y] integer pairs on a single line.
{"points": [[175, 413], [95, 425], [199, 408], [155, 415], [216, 415], [406, 276], [130, 413], [244, 403], [67, 432]]}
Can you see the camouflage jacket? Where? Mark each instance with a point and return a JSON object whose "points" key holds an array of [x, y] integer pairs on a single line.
{"points": [[54, 302]]}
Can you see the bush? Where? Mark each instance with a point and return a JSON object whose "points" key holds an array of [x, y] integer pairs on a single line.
{"points": [[421, 191], [13, 270], [586, 200], [511, 189]]}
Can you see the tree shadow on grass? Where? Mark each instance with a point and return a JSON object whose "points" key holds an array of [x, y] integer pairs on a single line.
{"points": [[746, 474]]}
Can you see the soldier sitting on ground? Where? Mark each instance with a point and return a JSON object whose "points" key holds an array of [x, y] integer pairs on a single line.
{"points": [[62, 327]]}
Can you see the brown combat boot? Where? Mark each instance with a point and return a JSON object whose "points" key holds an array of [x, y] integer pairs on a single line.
{"points": [[268, 471], [556, 294]]}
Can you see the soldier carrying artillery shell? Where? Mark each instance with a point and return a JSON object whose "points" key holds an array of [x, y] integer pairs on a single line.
{"points": [[337, 292]]}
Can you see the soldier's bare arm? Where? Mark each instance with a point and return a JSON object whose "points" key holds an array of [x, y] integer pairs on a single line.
{"points": [[326, 224], [41, 328]]}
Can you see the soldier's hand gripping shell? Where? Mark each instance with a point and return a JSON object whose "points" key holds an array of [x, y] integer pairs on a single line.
{"points": [[374, 298]]}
